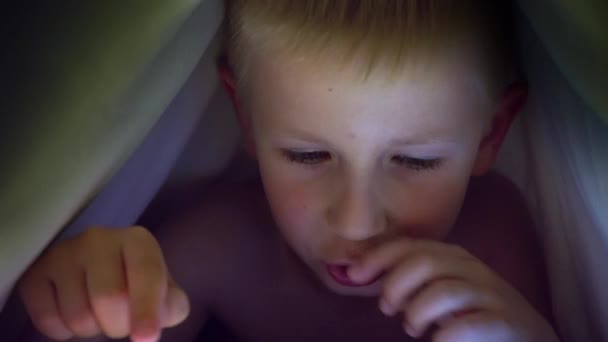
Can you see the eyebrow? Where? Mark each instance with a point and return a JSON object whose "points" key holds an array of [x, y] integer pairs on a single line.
{"points": [[421, 141], [300, 135]]}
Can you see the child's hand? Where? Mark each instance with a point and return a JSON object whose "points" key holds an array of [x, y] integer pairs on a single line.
{"points": [[110, 281], [433, 282]]}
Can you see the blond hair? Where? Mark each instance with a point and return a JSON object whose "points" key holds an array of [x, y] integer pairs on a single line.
{"points": [[377, 32]]}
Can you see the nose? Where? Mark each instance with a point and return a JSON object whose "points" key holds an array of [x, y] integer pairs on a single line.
{"points": [[356, 214]]}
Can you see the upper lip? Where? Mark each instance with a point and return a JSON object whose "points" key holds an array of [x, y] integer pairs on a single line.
{"points": [[339, 263]]}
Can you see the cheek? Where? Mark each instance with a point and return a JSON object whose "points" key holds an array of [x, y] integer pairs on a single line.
{"points": [[428, 208], [291, 202]]}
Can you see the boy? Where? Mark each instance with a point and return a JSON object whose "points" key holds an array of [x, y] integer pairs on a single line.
{"points": [[374, 124]]}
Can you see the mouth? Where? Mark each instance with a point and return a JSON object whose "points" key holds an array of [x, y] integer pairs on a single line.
{"points": [[339, 273]]}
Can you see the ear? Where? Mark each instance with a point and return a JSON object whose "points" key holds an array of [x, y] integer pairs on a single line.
{"points": [[510, 104], [228, 81]]}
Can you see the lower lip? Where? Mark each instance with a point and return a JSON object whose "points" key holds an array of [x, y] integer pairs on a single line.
{"points": [[339, 274]]}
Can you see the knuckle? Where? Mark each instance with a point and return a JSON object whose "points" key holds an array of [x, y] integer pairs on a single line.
{"points": [[148, 270], [109, 297], [138, 232], [94, 232], [425, 263], [145, 268], [152, 273], [445, 291], [92, 236]]}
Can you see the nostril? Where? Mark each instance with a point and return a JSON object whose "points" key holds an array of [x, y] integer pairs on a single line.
{"points": [[355, 250]]}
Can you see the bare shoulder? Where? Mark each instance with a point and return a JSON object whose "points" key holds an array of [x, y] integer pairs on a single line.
{"points": [[227, 224], [220, 216], [496, 226], [212, 245]]}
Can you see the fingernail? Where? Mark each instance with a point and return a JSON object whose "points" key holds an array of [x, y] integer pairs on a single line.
{"points": [[386, 308], [410, 331]]}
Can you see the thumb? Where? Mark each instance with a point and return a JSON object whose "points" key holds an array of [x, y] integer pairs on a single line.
{"points": [[177, 306]]}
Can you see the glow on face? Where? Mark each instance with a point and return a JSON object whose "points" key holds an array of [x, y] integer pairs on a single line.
{"points": [[348, 164]]}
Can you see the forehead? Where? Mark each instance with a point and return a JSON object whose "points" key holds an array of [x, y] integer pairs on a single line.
{"points": [[445, 88]]}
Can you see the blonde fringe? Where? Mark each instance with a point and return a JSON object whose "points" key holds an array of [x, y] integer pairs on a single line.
{"points": [[378, 32]]}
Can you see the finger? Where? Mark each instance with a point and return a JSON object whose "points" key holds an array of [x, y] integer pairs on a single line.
{"points": [[39, 297], [479, 326], [177, 306], [378, 260], [408, 277], [74, 305], [146, 282], [107, 289], [420, 268], [441, 300]]}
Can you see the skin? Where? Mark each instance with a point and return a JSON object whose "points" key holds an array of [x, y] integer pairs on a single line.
{"points": [[103, 279], [374, 175]]}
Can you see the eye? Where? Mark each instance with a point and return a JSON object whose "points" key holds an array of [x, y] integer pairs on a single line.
{"points": [[417, 164], [308, 157]]}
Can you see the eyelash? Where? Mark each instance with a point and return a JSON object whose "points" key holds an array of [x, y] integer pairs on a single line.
{"points": [[318, 157], [307, 158], [417, 164]]}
